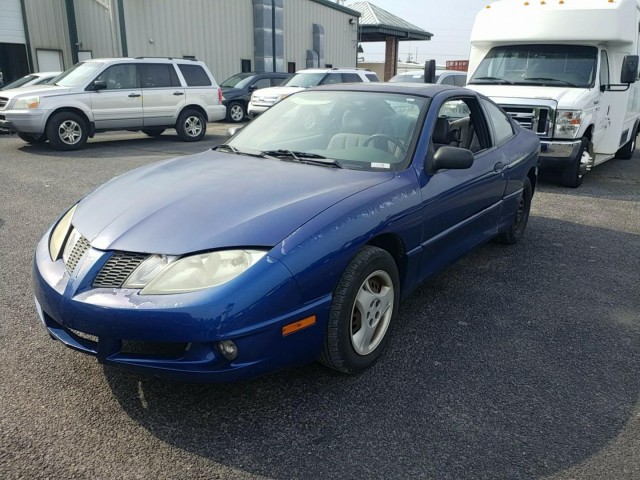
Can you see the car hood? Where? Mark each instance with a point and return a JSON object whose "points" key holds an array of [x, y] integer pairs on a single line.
{"points": [[276, 91], [212, 200], [41, 90], [565, 97]]}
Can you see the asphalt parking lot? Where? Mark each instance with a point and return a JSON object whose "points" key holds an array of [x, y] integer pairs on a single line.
{"points": [[517, 362]]}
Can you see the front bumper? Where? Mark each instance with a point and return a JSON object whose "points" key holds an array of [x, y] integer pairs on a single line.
{"points": [[177, 335], [558, 153], [24, 121]]}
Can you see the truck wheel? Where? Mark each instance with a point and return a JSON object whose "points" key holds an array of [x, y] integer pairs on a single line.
{"points": [[67, 131], [31, 138], [191, 126], [571, 174], [626, 152]]}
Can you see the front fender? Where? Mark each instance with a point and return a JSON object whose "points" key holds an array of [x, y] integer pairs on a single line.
{"points": [[318, 252]]}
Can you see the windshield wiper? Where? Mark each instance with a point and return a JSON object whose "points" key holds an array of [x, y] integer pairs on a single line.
{"points": [[492, 79], [304, 157], [546, 79], [226, 147]]}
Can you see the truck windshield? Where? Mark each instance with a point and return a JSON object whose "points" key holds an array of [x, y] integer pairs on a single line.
{"points": [[543, 65]]}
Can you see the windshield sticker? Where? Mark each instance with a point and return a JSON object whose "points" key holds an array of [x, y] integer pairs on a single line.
{"points": [[380, 165]]}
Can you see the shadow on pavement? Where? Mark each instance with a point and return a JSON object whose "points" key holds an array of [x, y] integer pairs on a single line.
{"points": [[516, 362]]}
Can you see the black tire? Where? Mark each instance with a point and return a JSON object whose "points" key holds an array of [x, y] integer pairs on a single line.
{"points": [[372, 274], [191, 126], [626, 152], [32, 138], [571, 174], [517, 228], [236, 112], [153, 132], [67, 131]]}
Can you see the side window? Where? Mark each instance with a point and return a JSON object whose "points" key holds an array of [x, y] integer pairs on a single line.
{"points": [[604, 68], [447, 80], [120, 77], [460, 123], [195, 76], [502, 128], [460, 80], [351, 77], [332, 78], [276, 81], [262, 83], [372, 77], [157, 75]]}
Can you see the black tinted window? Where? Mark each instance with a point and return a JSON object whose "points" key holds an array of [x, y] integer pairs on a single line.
{"points": [[195, 75], [372, 77], [447, 80], [157, 75]]}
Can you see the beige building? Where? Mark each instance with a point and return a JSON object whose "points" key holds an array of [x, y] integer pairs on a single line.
{"points": [[228, 35]]}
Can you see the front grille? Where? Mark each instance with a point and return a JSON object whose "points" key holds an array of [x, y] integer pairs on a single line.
{"points": [[85, 336], [3, 102], [78, 251], [117, 269], [538, 119]]}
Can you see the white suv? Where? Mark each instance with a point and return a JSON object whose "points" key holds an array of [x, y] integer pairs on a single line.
{"points": [[262, 99], [148, 94]]}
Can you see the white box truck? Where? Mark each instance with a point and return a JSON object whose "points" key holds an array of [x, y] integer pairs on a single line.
{"points": [[565, 69]]}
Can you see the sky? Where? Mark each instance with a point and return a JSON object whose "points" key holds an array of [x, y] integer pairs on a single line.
{"points": [[449, 21]]}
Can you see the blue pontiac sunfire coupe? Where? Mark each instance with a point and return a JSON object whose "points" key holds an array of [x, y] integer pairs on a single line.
{"points": [[293, 242]]}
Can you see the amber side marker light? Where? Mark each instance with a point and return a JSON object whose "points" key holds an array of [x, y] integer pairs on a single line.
{"points": [[299, 325]]}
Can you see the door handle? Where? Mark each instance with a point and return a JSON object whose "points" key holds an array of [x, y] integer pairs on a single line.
{"points": [[134, 95], [498, 167], [178, 93]]}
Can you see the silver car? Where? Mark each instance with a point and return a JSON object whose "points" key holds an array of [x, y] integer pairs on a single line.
{"points": [[147, 94]]}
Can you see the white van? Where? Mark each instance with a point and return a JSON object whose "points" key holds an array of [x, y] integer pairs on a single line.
{"points": [[565, 69]]}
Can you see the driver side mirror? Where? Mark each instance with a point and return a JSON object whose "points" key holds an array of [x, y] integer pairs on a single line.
{"points": [[451, 158], [99, 85], [629, 72]]}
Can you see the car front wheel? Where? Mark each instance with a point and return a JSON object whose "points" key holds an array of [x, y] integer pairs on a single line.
{"points": [[191, 126], [31, 138], [365, 306], [236, 112], [67, 131]]}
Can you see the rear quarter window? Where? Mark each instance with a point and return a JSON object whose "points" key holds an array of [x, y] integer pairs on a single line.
{"points": [[195, 76], [372, 77]]}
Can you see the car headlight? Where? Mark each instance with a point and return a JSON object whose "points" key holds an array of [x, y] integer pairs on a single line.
{"points": [[26, 103], [165, 275], [283, 96], [568, 123], [60, 233]]}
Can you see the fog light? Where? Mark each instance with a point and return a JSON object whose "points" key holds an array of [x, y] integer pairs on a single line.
{"points": [[228, 349]]}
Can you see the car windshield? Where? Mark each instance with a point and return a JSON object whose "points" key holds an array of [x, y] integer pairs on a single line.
{"points": [[305, 80], [544, 65], [239, 80], [78, 75], [410, 77], [350, 129], [19, 82]]}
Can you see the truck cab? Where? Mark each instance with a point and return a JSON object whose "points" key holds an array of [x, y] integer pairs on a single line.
{"points": [[563, 71]]}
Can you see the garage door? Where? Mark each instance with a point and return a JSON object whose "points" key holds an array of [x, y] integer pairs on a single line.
{"points": [[11, 24]]}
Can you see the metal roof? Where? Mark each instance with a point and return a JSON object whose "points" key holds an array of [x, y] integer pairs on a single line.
{"points": [[376, 24]]}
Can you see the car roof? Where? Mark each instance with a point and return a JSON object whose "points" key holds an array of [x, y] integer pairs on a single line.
{"points": [[334, 69]]}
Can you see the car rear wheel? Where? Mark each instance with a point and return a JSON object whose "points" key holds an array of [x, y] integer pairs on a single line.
{"points": [[31, 138], [153, 132], [67, 131], [236, 112], [517, 228], [191, 126], [365, 306]]}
